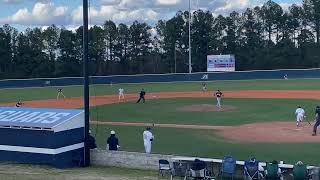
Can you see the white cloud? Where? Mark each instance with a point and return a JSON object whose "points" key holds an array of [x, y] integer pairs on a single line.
{"points": [[41, 14], [99, 16], [44, 12], [10, 1], [167, 2], [110, 2]]}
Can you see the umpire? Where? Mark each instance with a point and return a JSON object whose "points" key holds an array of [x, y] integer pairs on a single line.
{"points": [[317, 121], [142, 94]]}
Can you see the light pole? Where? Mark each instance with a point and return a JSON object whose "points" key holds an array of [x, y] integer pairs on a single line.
{"points": [[190, 37], [175, 58], [86, 84]]}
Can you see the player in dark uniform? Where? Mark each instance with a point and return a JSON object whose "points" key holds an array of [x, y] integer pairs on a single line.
{"points": [[317, 121], [19, 104], [60, 93], [142, 94]]}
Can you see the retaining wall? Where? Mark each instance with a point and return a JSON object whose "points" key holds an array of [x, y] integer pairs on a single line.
{"points": [[147, 78], [136, 160]]}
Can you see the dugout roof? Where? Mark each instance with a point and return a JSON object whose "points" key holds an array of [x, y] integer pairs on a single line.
{"points": [[40, 118]]}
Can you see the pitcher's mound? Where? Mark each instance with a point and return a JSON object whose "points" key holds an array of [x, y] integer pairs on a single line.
{"points": [[206, 108]]}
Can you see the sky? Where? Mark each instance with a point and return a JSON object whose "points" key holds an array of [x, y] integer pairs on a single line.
{"points": [[30, 13]]}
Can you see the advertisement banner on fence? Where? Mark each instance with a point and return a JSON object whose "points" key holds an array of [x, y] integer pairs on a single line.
{"points": [[221, 63]]}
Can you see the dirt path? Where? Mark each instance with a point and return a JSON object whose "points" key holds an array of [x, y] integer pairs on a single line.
{"points": [[278, 132]]}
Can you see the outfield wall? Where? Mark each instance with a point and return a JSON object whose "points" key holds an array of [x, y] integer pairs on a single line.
{"points": [[148, 78]]}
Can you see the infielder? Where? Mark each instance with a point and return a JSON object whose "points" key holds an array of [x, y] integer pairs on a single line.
{"points": [[19, 104], [300, 115], [147, 140], [60, 93], [121, 93], [218, 94], [204, 87], [141, 94]]}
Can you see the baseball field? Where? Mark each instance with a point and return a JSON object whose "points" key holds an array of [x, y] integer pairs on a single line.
{"points": [[257, 118]]}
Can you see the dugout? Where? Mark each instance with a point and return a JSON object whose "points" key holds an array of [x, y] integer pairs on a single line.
{"points": [[42, 136]]}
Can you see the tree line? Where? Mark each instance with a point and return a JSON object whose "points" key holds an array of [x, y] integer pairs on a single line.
{"points": [[266, 37]]}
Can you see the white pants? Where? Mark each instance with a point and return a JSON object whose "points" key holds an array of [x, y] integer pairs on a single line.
{"points": [[121, 95], [60, 93], [218, 102], [299, 117], [147, 147]]}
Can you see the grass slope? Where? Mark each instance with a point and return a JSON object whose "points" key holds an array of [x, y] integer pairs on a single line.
{"points": [[13, 95], [164, 111], [36, 172]]}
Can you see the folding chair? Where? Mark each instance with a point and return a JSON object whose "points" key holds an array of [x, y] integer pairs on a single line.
{"points": [[179, 169], [228, 167], [272, 171], [251, 170], [164, 167], [300, 172], [315, 173]]}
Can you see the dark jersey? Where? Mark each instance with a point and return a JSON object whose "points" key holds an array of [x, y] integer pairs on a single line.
{"points": [[113, 143], [92, 142], [142, 94], [317, 114], [218, 94], [19, 104], [59, 90]]}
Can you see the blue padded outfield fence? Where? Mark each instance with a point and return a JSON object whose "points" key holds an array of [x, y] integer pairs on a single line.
{"points": [[154, 78]]}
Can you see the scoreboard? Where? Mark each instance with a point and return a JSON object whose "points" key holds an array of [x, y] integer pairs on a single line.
{"points": [[221, 63]]}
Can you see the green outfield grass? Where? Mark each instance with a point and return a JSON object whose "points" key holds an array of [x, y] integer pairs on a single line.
{"points": [[164, 111], [13, 95], [204, 143]]}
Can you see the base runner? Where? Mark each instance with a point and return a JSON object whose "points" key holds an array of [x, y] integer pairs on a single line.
{"points": [[299, 115]]}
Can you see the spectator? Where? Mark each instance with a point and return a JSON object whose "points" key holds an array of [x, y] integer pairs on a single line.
{"points": [[113, 142], [260, 168], [279, 170], [198, 165], [91, 141]]}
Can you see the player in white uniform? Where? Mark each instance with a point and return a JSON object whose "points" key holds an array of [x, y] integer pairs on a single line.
{"points": [[121, 93], [300, 115], [147, 140]]}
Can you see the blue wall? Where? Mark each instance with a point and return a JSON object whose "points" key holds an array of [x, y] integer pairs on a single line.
{"points": [[240, 75]]}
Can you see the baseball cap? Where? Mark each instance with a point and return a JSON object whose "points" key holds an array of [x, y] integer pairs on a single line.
{"points": [[112, 132]]}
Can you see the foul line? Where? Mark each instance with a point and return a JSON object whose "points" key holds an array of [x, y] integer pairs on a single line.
{"points": [[179, 126]]}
